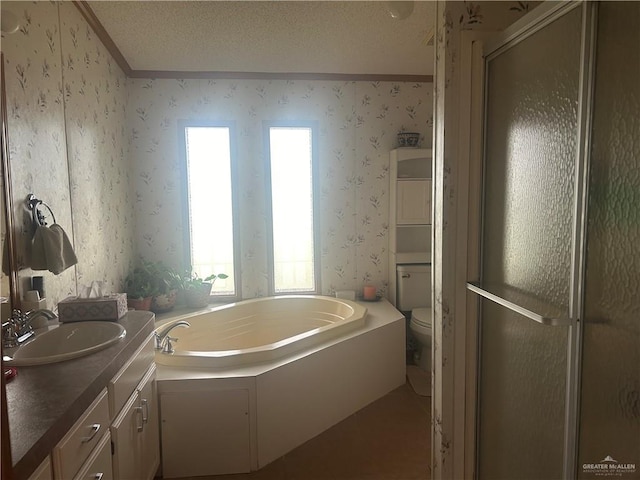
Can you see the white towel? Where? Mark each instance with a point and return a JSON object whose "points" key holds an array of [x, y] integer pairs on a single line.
{"points": [[51, 250]]}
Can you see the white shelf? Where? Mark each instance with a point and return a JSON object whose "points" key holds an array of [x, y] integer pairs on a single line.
{"points": [[410, 210]]}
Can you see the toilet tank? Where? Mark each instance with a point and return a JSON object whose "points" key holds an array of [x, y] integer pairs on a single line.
{"points": [[414, 286]]}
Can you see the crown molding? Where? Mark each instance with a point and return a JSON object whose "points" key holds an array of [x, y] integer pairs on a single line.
{"points": [[102, 34], [115, 52], [345, 77]]}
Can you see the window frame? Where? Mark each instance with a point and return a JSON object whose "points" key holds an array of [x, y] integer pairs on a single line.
{"points": [[235, 202], [315, 192]]}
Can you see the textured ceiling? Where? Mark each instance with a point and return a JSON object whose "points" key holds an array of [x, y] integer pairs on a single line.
{"points": [[352, 37]]}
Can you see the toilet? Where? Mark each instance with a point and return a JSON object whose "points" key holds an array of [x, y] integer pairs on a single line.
{"points": [[414, 295], [420, 326]]}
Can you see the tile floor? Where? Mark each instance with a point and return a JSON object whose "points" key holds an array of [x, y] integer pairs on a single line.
{"points": [[387, 440]]}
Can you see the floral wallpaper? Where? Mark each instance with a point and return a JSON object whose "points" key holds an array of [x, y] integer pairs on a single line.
{"points": [[102, 151], [66, 113], [449, 403], [358, 123], [95, 91]]}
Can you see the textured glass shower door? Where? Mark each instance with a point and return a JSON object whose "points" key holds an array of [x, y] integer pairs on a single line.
{"points": [[559, 374], [609, 436], [532, 124]]}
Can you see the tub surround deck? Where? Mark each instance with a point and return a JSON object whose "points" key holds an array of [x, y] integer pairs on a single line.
{"points": [[379, 314], [307, 391], [45, 401]]}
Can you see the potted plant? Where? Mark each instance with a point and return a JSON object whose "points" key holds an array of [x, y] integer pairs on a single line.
{"points": [[139, 286], [197, 290], [167, 282]]}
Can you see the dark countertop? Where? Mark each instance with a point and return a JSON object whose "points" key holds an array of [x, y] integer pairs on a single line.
{"points": [[45, 401]]}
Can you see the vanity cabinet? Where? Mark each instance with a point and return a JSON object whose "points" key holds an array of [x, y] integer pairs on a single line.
{"points": [[117, 438], [410, 210], [54, 407]]}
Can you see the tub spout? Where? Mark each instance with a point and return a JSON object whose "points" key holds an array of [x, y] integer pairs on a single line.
{"points": [[161, 335]]}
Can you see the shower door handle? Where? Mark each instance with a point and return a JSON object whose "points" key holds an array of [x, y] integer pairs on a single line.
{"points": [[520, 302]]}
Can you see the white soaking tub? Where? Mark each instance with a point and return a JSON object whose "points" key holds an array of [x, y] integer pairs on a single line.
{"points": [[259, 330], [223, 420]]}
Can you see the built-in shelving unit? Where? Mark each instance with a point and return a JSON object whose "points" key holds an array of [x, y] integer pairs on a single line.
{"points": [[409, 210]]}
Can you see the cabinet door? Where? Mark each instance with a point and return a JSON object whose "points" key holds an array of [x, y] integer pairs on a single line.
{"points": [[125, 432], [150, 435], [135, 433], [205, 433], [414, 202]]}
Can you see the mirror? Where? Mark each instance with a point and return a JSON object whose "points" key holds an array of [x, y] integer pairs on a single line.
{"points": [[9, 273], [9, 280]]}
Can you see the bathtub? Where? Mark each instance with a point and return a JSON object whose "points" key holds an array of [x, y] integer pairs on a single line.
{"points": [[217, 421], [259, 330]]}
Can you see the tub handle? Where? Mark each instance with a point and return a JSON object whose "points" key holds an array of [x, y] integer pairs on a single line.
{"points": [[161, 335], [168, 346]]}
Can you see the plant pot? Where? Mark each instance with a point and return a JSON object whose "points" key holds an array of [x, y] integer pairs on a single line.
{"points": [[139, 303], [164, 302], [197, 296]]}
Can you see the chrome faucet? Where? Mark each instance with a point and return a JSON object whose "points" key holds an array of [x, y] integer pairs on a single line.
{"points": [[163, 340], [18, 329], [48, 314]]}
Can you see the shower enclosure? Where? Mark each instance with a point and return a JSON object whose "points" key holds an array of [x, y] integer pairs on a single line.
{"points": [[559, 309]]}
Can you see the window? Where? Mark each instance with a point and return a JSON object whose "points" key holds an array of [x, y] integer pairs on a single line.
{"points": [[293, 245], [209, 175]]}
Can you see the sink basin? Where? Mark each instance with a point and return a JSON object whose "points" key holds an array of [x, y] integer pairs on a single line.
{"points": [[64, 342]]}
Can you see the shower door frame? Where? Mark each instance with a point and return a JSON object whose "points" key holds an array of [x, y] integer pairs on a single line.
{"points": [[530, 24]]}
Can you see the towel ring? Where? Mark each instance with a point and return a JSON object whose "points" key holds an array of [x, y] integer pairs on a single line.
{"points": [[39, 218]]}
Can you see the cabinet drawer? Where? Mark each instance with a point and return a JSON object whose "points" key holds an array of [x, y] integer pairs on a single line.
{"points": [[77, 444], [125, 381], [98, 465]]}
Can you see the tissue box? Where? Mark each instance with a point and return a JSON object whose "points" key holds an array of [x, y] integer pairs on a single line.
{"points": [[110, 308]]}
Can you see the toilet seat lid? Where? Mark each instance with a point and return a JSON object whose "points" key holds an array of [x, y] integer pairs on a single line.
{"points": [[422, 316]]}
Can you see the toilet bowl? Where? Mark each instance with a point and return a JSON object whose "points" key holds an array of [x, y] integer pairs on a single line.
{"points": [[420, 326]]}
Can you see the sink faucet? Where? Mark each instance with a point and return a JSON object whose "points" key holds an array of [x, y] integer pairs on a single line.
{"points": [[48, 314], [18, 329], [162, 336]]}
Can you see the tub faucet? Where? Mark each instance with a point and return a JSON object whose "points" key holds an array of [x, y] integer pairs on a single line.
{"points": [[163, 335]]}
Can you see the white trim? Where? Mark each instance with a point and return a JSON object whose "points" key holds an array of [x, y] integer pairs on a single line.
{"points": [[469, 187], [579, 247], [526, 26]]}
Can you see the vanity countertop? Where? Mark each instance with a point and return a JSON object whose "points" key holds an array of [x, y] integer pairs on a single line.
{"points": [[44, 402]]}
